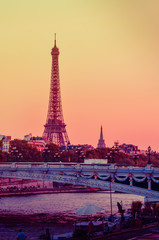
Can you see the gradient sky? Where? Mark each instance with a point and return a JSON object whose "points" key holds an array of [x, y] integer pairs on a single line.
{"points": [[109, 68]]}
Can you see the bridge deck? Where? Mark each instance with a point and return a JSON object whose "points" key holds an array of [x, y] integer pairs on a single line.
{"points": [[129, 179]]}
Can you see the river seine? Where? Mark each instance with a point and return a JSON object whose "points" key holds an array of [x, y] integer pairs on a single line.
{"points": [[66, 203]]}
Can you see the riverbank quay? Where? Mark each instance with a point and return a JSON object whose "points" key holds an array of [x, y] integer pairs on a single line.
{"points": [[126, 234], [34, 231], [123, 234], [34, 226], [46, 191]]}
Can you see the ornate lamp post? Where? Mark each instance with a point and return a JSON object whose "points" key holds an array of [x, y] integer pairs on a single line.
{"points": [[149, 155], [135, 156], [68, 152], [20, 157], [57, 157], [111, 205], [111, 154], [46, 152], [14, 153], [108, 157], [80, 154], [111, 158]]}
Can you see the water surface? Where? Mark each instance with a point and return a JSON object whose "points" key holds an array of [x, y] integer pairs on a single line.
{"points": [[66, 203]]}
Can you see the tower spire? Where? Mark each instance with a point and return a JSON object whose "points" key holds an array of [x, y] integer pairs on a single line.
{"points": [[101, 134], [55, 40], [101, 142]]}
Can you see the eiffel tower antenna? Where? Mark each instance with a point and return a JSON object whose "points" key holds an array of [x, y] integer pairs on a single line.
{"points": [[55, 40]]}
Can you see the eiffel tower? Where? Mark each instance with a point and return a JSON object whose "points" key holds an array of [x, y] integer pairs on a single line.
{"points": [[55, 128]]}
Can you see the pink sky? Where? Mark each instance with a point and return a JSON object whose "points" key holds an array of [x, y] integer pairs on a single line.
{"points": [[109, 56]]}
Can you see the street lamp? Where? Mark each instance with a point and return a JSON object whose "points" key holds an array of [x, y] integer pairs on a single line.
{"points": [[20, 157], [14, 153], [149, 155], [135, 156], [108, 157], [111, 208], [68, 152], [46, 152], [111, 154], [57, 157], [111, 157], [80, 154]]}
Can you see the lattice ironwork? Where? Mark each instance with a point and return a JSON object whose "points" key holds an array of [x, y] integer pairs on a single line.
{"points": [[55, 128]]}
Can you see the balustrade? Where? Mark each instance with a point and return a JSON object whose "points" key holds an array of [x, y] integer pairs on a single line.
{"points": [[86, 174]]}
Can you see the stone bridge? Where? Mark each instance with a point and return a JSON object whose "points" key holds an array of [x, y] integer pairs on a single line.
{"points": [[142, 181]]}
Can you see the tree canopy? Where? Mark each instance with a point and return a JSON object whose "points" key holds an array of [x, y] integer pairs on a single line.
{"points": [[21, 151]]}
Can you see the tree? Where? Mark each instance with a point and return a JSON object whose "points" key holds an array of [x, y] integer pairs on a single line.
{"points": [[148, 209], [136, 208], [51, 153], [1, 144], [157, 210], [3, 157], [21, 151]]}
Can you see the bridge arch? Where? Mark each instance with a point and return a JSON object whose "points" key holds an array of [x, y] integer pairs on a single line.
{"points": [[97, 176]]}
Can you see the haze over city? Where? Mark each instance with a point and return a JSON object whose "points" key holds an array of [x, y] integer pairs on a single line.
{"points": [[108, 67]]}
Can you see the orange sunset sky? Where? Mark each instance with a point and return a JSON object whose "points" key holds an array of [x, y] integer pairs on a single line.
{"points": [[109, 68]]}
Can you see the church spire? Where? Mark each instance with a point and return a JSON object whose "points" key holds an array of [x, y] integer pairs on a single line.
{"points": [[101, 142], [101, 134]]}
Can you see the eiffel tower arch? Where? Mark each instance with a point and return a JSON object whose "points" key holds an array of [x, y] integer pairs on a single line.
{"points": [[55, 128]]}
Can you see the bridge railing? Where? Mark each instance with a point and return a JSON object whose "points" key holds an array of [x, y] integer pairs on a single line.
{"points": [[71, 165]]}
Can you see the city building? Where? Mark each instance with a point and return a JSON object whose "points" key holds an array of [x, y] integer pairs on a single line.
{"points": [[37, 142], [73, 147], [95, 161], [5, 142], [129, 149], [27, 137], [101, 142], [55, 128]]}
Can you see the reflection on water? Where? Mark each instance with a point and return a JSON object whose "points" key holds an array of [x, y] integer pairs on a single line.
{"points": [[64, 202]]}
